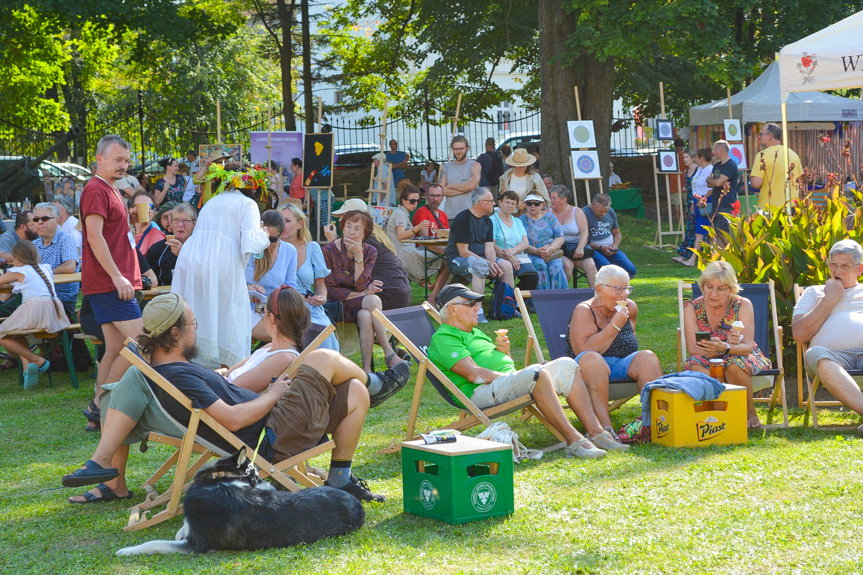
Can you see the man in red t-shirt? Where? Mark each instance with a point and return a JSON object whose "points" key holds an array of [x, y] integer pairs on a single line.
{"points": [[437, 220], [109, 265]]}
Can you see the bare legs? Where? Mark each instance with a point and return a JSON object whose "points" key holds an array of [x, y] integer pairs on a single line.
{"points": [[113, 366], [17, 347], [841, 385], [369, 328], [546, 400], [644, 368]]}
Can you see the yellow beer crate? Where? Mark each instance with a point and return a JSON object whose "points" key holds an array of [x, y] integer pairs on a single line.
{"points": [[677, 420]]}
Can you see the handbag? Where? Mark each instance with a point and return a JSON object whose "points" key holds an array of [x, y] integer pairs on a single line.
{"points": [[335, 311]]}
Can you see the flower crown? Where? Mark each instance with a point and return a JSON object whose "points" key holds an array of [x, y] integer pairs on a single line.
{"points": [[255, 177]]}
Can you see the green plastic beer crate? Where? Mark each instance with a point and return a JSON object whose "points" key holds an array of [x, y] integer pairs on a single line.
{"points": [[459, 482]]}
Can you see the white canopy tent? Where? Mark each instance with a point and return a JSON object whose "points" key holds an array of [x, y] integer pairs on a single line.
{"points": [[828, 59], [760, 102]]}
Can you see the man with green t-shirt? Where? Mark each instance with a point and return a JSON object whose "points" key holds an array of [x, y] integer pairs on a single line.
{"points": [[484, 372]]}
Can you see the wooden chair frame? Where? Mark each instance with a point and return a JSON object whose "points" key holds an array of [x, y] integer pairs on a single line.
{"points": [[620, 386], [759, 382], [287, 473], [813, 382], [471, 415]]}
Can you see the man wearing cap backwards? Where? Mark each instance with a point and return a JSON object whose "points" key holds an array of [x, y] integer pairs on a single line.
{"points": [[130, 412], [470, 250], [486, 374]]}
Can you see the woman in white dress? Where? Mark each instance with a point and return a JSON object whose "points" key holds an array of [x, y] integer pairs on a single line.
{"points": [[210, 270]]}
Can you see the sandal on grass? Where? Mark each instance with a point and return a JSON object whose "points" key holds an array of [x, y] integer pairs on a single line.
{"points": [[92, 413], [107, 494], [389, 359], [90, 473]]}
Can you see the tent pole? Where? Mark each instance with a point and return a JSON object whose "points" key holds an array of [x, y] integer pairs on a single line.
{"points": [[785, 154]]}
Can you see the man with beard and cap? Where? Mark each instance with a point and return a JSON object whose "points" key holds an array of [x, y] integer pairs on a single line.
{"points": [[332, 387]]}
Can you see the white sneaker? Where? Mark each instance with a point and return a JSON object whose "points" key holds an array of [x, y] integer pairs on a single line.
{"points": [[608, 442], [581, 449]]}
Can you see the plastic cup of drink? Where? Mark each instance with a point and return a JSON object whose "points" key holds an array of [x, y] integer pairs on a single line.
{"points": [[143, 211], [170, 237]]}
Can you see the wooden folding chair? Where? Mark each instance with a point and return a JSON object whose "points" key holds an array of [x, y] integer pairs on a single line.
{"points": [[763, 298], [553, 310], [812, 383], [287, 473], [412, 327]]}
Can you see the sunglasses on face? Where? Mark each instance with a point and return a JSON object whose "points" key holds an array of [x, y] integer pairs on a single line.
{"points": [[412, 202], [533, 203], [43, 219], [273, 239], [466, 303]]}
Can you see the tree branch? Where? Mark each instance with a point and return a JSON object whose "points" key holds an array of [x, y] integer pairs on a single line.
{"points": [[260, 10], [399, 43]]}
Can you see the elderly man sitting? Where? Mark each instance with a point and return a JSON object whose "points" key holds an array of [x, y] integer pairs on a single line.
{"points": [[830, 319], [470, 251], [162, 255], [328, 394], [485, 372]]}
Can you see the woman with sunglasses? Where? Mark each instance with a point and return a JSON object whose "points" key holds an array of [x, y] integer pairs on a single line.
{"points": [[546, 238], [172, 185], [400, 228], [602, 340], [277, 267], [146, 232]]}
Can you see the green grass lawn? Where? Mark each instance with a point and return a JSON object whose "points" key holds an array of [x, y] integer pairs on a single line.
{"points": [[788, 502]]}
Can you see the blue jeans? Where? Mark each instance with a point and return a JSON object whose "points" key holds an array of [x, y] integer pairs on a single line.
{"points": [[619, 259], [619, 366]]}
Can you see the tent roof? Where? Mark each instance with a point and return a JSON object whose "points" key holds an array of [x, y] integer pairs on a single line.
{"points": [[828, 59], [760, 102]]}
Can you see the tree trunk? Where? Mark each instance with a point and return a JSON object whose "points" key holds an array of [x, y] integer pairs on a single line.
{"points": [[560, 70], [557, 79], [307, 69], [286, 55]]}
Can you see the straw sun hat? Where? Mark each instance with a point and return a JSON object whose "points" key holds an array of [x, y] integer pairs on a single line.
{"points": [[521, 157]]}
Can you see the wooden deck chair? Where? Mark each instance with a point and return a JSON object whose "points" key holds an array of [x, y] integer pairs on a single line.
{"points": [[767, 328], [287, 473], [553, 310], [413, 328], [812, 383]]}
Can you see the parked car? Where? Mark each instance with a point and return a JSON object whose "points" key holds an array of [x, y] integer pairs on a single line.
{"points": [[33, 186], [355, 156], [76, 169], [528, 140]]}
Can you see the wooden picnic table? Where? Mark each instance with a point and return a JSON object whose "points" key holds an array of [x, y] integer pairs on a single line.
{"points": [[156, 291], [426, 243], [58, 279]]}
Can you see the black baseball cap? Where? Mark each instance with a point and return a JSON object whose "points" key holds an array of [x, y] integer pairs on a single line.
{"points": [[453, 291]]}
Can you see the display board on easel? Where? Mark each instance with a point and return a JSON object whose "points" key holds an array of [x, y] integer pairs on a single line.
{"points": [[318, 157], [583, 162], [381, 175], [665, 164]]}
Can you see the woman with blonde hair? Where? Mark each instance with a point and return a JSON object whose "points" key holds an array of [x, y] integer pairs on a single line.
{"points": [[715, 311], [311, 271]]}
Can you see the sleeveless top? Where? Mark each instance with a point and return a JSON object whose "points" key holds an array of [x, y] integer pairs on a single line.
{"points": [[571, 233], [624, 342], [457, 174], [257, 358]]}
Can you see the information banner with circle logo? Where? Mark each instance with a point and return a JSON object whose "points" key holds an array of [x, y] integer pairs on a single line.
{"points": [[581, 134]]}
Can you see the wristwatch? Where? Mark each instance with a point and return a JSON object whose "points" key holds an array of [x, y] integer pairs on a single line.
{"points": [[727, 348]]}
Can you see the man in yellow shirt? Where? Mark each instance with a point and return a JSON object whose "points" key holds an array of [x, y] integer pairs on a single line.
{"points": [[768, 170]]}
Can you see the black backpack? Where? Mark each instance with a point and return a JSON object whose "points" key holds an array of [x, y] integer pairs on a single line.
{"points": [[503, 304]]}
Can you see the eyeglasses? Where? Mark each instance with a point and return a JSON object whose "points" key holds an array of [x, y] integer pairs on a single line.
{"points": [[183, 222], [492, 201], [459, 149], [194, 324], [43, 218], [717, 289], [273, 239], [831, 265], [533, 203], [763, 133], [412, 202], [466, 303], [433, 196], [620, 289]]}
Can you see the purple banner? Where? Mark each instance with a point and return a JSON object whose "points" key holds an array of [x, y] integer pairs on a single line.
{"points": [[284, 145]]}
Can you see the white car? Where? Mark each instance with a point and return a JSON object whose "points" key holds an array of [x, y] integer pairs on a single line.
{"points": [[76, 170]]}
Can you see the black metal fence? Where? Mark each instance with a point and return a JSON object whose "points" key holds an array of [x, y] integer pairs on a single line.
{"points": [[153, 137]]}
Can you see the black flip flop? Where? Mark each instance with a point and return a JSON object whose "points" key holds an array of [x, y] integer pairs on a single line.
{"points": [[107, 495], [90, 474], [92, 413]]}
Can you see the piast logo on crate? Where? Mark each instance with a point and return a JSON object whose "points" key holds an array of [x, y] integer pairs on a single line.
{"points": [[483, 497], [709, 428], [662, 426]]}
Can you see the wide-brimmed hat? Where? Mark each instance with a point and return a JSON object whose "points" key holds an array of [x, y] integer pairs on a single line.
{"points": [[453, 291], [521, 157], [217, 154], [353, 204]]}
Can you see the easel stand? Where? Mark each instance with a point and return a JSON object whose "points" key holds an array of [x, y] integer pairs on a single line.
{"points": [[323, 209], [660, 233], [379, 184], [572, 168]]}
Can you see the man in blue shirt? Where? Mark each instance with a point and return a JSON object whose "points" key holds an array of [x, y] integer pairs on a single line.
{"points": [[398, 161], [58, 250]]}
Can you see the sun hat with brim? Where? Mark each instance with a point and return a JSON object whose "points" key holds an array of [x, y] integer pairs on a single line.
{"points": [[353, 204], [534, 197], [162, 313], [521, 157], [453, 291], [216, 155]]}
